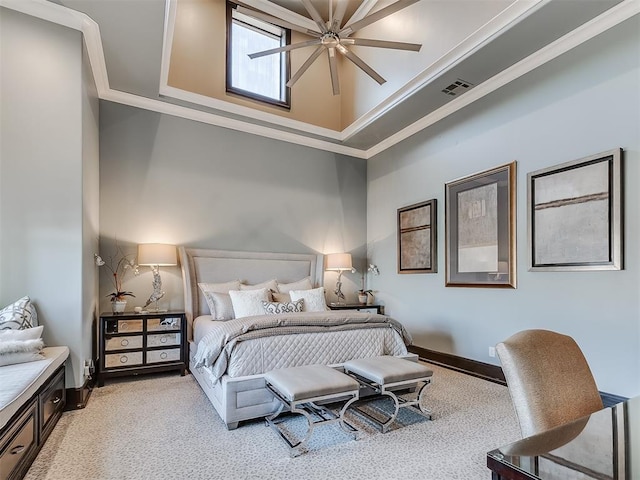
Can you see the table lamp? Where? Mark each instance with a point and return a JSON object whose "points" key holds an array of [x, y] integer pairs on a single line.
{"points": [[339, 262], [156, 255]]}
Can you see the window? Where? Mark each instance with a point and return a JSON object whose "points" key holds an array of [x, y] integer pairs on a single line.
{"points": [[263, 78]]}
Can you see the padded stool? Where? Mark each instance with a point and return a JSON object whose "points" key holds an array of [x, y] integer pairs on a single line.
{"points": [[298, 388], [385, 373]]}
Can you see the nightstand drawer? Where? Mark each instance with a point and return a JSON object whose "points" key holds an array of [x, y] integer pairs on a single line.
{"points": [[115, 360], [123, 326], [164, 339], [159, 324], [123, 343], [140, 343], [166, 355]]}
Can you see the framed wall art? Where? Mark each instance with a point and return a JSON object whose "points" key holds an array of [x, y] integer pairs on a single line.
{"points": [[480, 225], [574, 213], [417, 247]]}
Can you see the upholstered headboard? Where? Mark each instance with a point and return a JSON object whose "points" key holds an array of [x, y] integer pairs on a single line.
{"points": [[217, 266]]}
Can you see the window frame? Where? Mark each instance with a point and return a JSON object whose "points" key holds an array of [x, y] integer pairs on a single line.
{"points": [[285, 68]]}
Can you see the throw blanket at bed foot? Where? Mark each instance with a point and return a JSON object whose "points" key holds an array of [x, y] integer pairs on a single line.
{"points": [[215, 349]]}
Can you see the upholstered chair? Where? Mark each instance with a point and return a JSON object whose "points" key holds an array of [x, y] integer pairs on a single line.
{"points": [[548, 378]]}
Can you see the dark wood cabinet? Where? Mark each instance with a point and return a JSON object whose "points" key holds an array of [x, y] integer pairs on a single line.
{"points": [[132, 344], [23, 436], [357, 306]]}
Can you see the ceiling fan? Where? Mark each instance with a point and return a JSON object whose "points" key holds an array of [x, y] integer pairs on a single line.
{"points": [[333, 37]]}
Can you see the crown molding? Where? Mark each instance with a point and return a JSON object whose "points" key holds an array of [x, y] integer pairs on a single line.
{"points": [[516, 12], [64, 16], [612, 17], [225, 122]]}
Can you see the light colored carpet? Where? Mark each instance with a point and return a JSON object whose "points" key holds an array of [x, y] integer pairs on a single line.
{"points": [[165, 428]]}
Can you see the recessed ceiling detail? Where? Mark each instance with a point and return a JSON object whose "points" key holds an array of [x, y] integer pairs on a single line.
{"points": [[333, 37], [510, 45]]}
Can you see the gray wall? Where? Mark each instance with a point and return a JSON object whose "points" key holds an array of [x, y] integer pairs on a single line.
{"points": [[170, 180], [585, 102], [49, 158]]}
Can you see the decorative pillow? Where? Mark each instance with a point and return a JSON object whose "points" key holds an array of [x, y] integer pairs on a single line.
{"points": [[280, 297], [269, 285], [217, 288], [220, 287], [20, 314], [247, 303], [273, 308], [21, 346], [20, 357], [220, 305], [304, 284], [314, 300], [26, 334]]}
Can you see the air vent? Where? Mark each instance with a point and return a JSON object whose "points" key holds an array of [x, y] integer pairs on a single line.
{"points": [[457, 87]]}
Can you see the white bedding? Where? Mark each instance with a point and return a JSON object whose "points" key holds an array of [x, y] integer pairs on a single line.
{"points": [[258, 344], [202, 326], [21, 380]]}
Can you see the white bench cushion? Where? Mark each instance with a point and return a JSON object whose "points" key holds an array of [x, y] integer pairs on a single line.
{"points": [[21, 380], [386, 369], [310, 381]]}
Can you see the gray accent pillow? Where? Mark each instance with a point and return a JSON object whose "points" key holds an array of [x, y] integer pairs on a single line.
{"points": [[19, 315], [303, 284], [274, 308], [220, 305]]}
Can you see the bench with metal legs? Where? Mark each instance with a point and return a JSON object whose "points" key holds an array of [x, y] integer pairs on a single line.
{"points": [[300, 389], [387, 374]]}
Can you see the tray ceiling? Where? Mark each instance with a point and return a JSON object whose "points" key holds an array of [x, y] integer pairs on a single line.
{"points": [[129, 37]]}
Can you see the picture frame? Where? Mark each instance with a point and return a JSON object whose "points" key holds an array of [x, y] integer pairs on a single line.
{"points": [[417, 238], [480, 224], [574, 215]]}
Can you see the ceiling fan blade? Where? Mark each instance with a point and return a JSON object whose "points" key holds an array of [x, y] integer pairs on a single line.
{"points": [[333, 69], [374, 17], [275, 20], [338, 15], [286, 48], [365, 42], [312, 58], [361, 64], [315, 15], [362, 11]]}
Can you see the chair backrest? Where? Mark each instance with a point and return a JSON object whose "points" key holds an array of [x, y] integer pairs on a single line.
{"points": [[548, 378]]}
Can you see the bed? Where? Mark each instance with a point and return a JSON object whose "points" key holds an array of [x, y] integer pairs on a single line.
{"points": [[228, 359]]}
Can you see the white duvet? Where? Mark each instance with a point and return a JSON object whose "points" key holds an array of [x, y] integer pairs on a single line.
{"points": [[253, 345]]}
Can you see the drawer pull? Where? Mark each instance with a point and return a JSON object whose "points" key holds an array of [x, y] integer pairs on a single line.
{"points": [[124, 342], [17, 449], [124, 359], [123, 325], [163, 339], [163, 355], [56, 400]]}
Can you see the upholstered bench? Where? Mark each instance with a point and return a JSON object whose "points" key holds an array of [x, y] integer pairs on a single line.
{"points": [[300, 388], [387, 374]]}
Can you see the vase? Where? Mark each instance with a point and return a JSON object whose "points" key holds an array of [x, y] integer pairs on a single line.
{"points": [[118, 306], [362, 298]]}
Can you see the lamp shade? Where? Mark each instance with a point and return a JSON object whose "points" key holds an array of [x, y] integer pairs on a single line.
{"points": [[157, 254], [339, 261]]}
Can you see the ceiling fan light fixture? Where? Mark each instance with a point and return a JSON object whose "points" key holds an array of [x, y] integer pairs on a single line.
{"points": [[332, 36]]}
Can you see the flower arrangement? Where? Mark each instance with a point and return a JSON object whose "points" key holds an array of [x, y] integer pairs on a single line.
{"points": [[118, 273], [371, 269]]}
